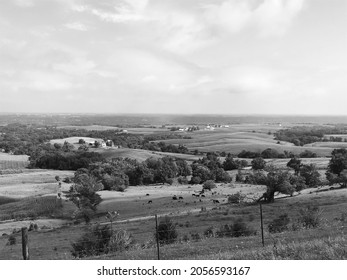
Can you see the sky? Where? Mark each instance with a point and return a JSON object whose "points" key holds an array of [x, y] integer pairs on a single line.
{"points": [[174, 56]]}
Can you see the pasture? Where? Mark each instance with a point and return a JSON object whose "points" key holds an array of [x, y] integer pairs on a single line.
{"points": [[193, 219], [140, 155], [237, 138]]}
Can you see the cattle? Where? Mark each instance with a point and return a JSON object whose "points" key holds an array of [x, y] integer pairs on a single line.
{"points": [[215, 201], [150, 201], [180, 197], [202, 195], [147, 194], [174, 197]]}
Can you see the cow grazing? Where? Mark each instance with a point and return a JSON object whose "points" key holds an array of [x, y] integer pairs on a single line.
{"points": [[150, 201], [215, 201], [174, 197], [180, 197]]}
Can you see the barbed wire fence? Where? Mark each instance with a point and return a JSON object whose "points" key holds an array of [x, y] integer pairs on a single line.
{"points": [[143, 239]]}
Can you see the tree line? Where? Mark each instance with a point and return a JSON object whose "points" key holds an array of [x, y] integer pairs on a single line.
{"points": [[302, 135]]}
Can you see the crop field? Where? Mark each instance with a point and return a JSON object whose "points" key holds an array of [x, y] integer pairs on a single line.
{"points": [[140, 155], [231, 141], [73, 140], [134, 130], [31, 182], [12, 162]]}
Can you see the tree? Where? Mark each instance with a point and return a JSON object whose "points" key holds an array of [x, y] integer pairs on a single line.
{"points": [[295, 163], [83, 194], [269, 153], [277, 181], [202, 172], [183, 168], [311, 175], [337, 168], [229, 163], [258, 163], [209, 185]]}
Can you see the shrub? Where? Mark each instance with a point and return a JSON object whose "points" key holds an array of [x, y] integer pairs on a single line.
{"points": [[310, 217], [279, 224], [237, 229], [169, 181], [208, 185], [236, 198], [195, 180], [209, 232], [195, 237], [11, 240], [101, 240], [167, 231]]}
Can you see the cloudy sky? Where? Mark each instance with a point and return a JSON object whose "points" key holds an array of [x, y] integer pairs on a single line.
{"points": [[174, 56]]}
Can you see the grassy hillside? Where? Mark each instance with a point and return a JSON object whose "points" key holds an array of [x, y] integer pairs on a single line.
{"points": [[140, 155], [233, 141]]}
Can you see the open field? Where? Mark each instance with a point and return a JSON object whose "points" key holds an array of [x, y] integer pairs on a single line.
{"points": [[137, 217], [334, 145], [74, 140], [135, 130], [31, 183], [13, 162], [233, 141], [140, 155]]}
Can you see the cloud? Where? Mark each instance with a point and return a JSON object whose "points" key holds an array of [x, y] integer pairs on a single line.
{"points": [[270, 17], [24, 3], [76, 26]]}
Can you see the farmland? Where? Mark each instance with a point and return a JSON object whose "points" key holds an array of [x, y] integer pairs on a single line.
{"points": [[234, 140], [29, 196]]}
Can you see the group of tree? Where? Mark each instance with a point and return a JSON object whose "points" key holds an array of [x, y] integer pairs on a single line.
{"points": [[272, 153], [302, 135], [209, 168], [23, 139]]}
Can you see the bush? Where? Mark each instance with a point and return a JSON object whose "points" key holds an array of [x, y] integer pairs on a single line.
{"points": [[209, 232], [236, 198], [208, 185], [310, 217], [237, 229], [100, 240], [195, 180], [279, 224], [167, 233]]}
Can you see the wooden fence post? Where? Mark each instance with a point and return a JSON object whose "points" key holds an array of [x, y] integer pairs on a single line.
{"points": [[25, 249], [157, 235], [261, 224]]}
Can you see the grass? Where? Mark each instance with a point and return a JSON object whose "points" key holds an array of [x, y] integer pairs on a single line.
{"points": [[140, 155], [32, 208], [236, 139], [5, 200], [12, 162]]}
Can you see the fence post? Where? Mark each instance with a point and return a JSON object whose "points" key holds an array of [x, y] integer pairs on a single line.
{"points": [[261, 224], [157, 235], [25, 249]]}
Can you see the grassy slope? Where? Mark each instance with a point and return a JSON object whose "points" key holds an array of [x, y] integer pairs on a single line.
{"points": [[234, 141]]}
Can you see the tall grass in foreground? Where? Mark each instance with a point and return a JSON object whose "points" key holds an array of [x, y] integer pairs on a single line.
{"points": [[316, 249], [31, 207]]}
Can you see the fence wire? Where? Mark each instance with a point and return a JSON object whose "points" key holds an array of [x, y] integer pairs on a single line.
{"points": [[201, 232]]}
